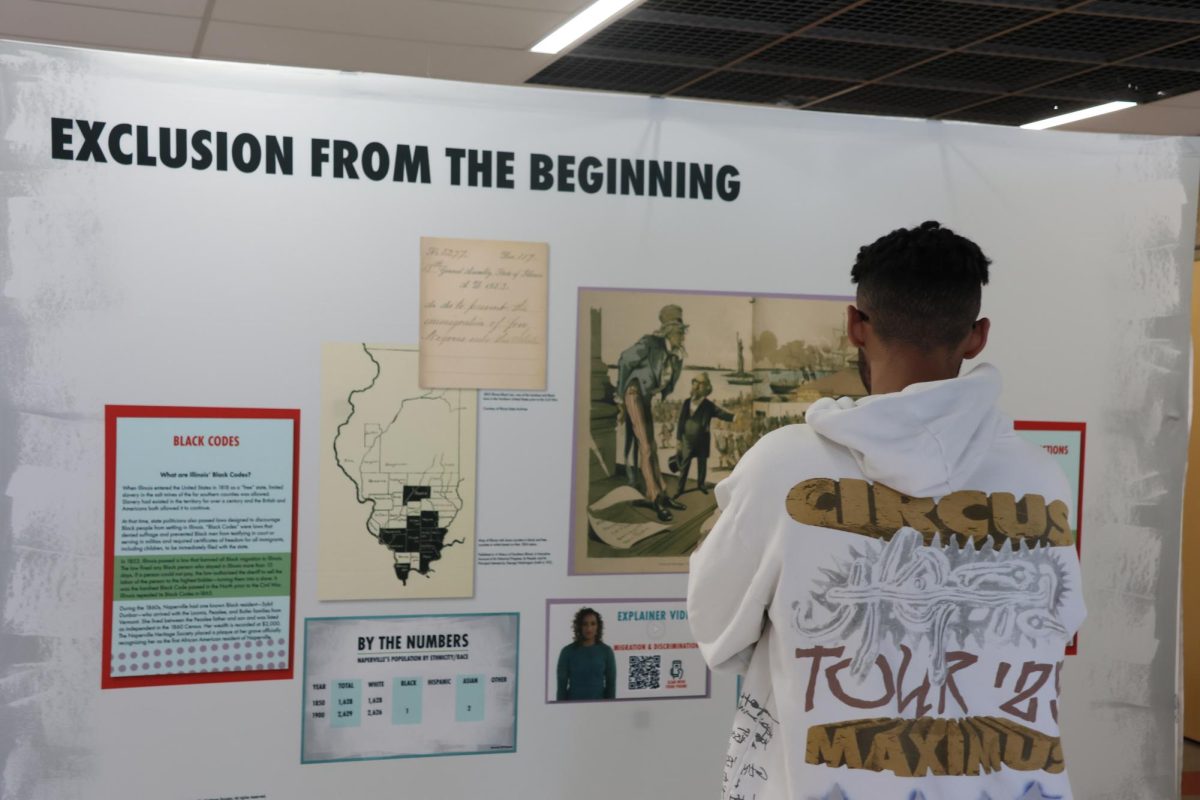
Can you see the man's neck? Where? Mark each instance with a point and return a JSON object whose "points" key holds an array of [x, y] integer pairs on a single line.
{"points": [[898, 373]]}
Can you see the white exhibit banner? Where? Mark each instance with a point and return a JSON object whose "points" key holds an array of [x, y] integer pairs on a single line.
{"points": [[183, 233]]}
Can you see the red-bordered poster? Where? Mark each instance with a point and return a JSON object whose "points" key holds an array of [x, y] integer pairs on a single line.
{"points": [[1066, 443], [199, 544]]}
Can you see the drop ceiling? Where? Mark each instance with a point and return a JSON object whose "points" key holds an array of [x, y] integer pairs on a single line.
{"points": [[999, 61]]}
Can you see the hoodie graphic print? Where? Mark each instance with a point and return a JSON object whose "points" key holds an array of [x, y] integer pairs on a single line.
{"points": [[898, 581]]}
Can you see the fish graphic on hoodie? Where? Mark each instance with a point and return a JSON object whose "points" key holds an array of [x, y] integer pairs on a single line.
{"points": [[897, 580]]}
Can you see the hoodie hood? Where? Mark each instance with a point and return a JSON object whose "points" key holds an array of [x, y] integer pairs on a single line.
{"points": [[924, 441]]}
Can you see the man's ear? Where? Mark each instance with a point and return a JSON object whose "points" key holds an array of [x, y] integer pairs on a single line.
{"points": [[855, 326], [978, 337]]}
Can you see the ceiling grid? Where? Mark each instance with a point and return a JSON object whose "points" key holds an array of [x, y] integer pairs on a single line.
{"points": [[999, 61]]}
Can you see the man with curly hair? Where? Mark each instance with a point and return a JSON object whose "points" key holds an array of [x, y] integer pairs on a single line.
{"points": [[897, 578]]}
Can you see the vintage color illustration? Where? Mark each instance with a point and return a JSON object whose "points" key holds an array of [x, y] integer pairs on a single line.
{"points": [[671, 389]]}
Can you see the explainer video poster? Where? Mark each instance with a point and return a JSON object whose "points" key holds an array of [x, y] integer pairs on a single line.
{"points": [[622, 649]]}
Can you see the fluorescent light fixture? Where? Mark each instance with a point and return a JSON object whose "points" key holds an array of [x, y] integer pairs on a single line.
{"points": [[580, 25], [1075, 116]]}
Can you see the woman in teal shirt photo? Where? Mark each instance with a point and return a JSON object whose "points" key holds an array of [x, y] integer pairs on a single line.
{"points": [[587, 669]]}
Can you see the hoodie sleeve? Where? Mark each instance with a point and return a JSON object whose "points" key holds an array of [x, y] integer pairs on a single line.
{"points": [[1071, 611], [732, 575]]}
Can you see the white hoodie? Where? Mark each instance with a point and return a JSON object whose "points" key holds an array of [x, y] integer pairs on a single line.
{"points": [[898, 580]]}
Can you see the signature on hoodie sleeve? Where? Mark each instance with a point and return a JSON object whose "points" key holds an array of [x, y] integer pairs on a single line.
{"points": [[732, 576]]}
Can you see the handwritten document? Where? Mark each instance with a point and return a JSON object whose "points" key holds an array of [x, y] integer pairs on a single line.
{"points": [[483, 314]]}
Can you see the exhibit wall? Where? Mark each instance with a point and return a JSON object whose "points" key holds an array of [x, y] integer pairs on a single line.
{"points": [[251, 549]]}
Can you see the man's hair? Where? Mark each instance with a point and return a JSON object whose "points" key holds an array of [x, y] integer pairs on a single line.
{"points": [[921, 285], [577, 624]]}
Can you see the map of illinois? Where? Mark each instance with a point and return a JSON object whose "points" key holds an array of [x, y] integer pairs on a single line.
{"points": [[405, 457]]}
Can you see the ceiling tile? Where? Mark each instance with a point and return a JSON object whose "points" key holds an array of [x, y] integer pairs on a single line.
{"points": [[933, 22], [789, 13], [1033, 5], [98, 27], [1109, 37], [485, 64], [840, 59], [1189, 100], [569, 7], [1138, 84], [617, 76], [414, 20], [1159, 119], [256, 43], [1181, 56], [752, 87], [176, 8], [899, 101], [1178, 10], [654, 37], [989, 73], [1017, 110]]}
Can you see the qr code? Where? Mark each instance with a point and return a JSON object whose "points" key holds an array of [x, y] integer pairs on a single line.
{"points": [[643, 672]]}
